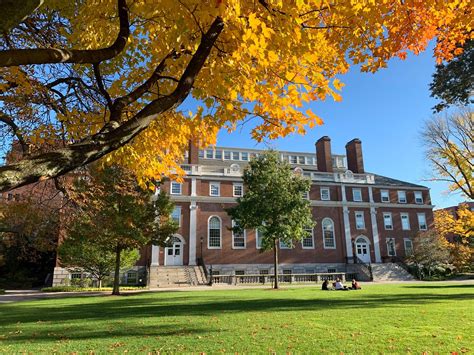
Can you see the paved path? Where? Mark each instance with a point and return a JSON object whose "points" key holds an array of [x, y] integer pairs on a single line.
{"points": [[28, 295]]}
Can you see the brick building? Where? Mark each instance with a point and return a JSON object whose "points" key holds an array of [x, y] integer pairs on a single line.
{"points": [[360, 216]]}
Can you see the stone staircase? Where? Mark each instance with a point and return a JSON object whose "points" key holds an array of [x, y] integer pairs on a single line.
{"points": [[176, 276], [390, 272]]}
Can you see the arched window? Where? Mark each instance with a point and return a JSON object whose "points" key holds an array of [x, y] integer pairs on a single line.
{"points": [[329, 241], [214, 233]]}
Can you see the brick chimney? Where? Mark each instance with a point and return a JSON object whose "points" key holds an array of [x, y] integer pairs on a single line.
{"points": [[323, 154], [355, 162], [193, 153]]}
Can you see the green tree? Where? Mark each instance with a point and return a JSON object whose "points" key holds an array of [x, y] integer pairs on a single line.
{"points": [[273, 203], [453, 82], [113, 212]]}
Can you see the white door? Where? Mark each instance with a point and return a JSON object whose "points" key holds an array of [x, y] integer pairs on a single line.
{"points": [[362, 250], [174, 253]]}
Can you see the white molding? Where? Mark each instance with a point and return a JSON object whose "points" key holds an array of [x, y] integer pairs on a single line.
{"points": [[192, 232], [155, 255], [220, 232], [333, 234]]}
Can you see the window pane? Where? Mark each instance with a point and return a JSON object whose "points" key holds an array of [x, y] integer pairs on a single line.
{"points": [[209, 154], [214, 232], [325, 194], [245, 156], [218, 154], [328, 234], [238, 190], [226, 155], [235, 155]]}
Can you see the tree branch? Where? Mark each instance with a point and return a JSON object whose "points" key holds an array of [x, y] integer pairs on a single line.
{"points": [[61, 161], [16, 131], [17, 57]]}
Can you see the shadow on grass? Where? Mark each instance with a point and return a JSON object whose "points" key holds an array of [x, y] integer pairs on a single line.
{"points": [[440, 286]]}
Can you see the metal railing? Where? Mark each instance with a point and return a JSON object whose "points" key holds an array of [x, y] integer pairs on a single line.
{"points": [[282, 278]]}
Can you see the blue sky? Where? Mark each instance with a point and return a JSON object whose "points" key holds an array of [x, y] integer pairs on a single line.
{"points": [[386, 110]]}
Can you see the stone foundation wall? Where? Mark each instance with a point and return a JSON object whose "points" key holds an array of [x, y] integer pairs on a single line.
{"points": [[254, 269]]}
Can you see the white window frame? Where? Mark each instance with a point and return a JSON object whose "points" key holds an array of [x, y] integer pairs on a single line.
{"points": [[209, 230], [305, 195], [311, 230], [391, 221], [418, 201], [402, 196], [174, 183], [361, 213], [333, 234], [405, 240], [238, 184], [419, 224], [206, 155], [235, 155], [225, 153], [244, 236], [382, 192], [354, 195], [246, 155], [407, 215], [283, 245], [215, 183], [177, 208], [391, 240], [328, 191], [257, 238]]}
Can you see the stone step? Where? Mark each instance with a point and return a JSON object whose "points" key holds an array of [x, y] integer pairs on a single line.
{"points": [[390, 272]]}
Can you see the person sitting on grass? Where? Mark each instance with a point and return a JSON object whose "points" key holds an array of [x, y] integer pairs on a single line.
{"points": [[325, 286], [355, 285], [339, 286]]}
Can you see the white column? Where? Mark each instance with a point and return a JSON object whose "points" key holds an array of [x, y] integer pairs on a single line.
{"points": [[347, 224], [375, 229], [192, 231], [193, 187], [155, 255]]}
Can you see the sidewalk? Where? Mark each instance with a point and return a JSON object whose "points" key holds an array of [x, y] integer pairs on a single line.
{"points": [[29, 295]]}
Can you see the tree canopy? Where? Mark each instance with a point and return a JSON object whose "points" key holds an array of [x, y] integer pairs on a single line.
{"points": [[82, 79], [274, 204]]}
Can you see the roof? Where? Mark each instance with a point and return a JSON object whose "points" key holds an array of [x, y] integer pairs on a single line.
{"points": [[383, 180]]}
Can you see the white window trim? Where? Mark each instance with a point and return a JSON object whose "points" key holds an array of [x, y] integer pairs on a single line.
{"points": [[180, 188], [391, 221], [220, 233], [394, 246], [305, 195], [179, 216], [421, 195], [404, 194], [408, 220], [329, 193], [333, 234], [245, 239], [363, 220], [405, 240], [419, 224], [381, 196], [256, 240], [353, 194], [312, 240], [233, 189], [218, 186], [287, 247]]}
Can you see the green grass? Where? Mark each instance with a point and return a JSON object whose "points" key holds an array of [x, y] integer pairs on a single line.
{"points": [[88, 289], [397, 318]]}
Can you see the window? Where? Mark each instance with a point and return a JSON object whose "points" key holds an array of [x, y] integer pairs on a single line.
{"points": [[218, 154], [132, 277], [405, 221], [402, 197], [214, 189], [422, 222], [226, 155], [76, 275], [10, 196], [360, 222], [245, 156], [301, 160], [239, 272], [391, 251], [176, 215], [418, 197], [176, 188], [325, 195], [209, 154], [329, 240], [408, 246], [387, 220], [356, 195], [238, 239], [214, 233], [293, 159], [331, 270], [384, 196], [308, 240], [238, 190], [259, 237], [305, 195], [235, 155], [201, 153], [287, 273], [284, 245]]}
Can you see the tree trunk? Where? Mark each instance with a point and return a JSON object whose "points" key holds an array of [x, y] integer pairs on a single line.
{"points": [[275, 262], [99, 280], [116, 290]]}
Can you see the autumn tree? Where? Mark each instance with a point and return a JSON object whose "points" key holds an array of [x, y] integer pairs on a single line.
{"points": [[273, 203], [115, 213], [449, 142], [82, 79], [453, 82]]}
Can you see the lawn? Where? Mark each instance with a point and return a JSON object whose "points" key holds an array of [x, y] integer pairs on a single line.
{"points": [[392, 318]]}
